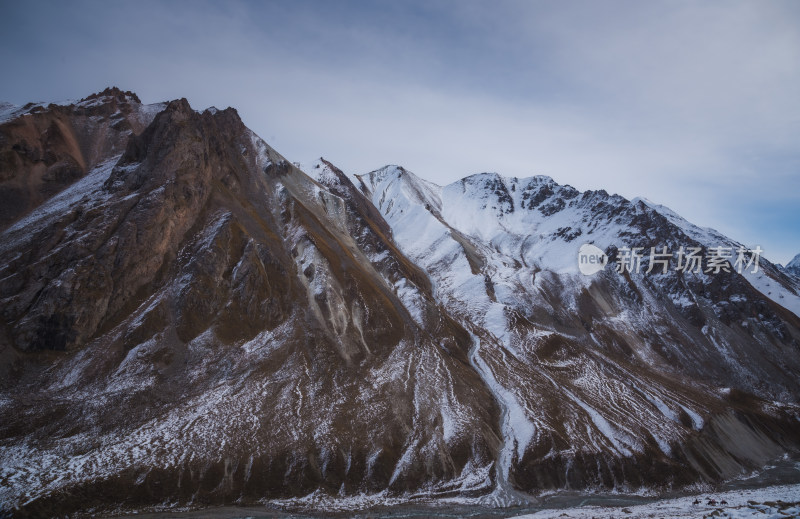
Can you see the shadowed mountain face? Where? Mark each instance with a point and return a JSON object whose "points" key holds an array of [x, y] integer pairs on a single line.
{"points": [[188, 318]]}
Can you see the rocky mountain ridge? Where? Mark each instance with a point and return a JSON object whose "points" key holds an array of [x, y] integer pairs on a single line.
{"points": [[189, 318]]}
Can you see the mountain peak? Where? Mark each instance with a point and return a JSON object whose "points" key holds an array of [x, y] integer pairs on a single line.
{"points": [[388, 174], [793, 267], [386, 171], [541, 179], [118, 93]]}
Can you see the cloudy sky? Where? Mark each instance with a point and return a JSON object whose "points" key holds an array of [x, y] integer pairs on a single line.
{"points": [[694, 105]]}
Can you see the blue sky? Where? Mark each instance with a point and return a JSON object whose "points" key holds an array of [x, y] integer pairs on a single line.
{"points": [[693, 105]]}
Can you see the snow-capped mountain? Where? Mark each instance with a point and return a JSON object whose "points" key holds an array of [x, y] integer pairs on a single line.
{"points": [[793, 267], [568, 355], [190, 319]]}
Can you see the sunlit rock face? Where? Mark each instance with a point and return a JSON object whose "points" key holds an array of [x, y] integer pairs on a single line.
{"points": [[190, 319]]}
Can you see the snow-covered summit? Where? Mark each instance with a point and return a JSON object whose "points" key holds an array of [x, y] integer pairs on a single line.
{"points": [[793, 267], [539, 224]]}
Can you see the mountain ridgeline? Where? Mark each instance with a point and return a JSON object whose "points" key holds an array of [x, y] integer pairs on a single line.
{"points": [[189, 319]]}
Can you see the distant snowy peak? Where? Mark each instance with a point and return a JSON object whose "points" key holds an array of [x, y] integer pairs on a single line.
{"points": [[794, 266], [392, 184], [392, 174], [512, 192], [480, 192], [485, 204], [536, 221], [524, 202]]}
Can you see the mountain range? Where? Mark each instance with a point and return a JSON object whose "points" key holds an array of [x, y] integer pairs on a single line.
{"points": [[793, 267], [190, 319]]}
